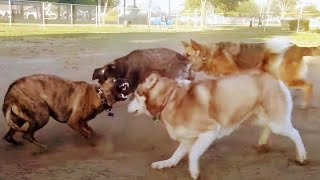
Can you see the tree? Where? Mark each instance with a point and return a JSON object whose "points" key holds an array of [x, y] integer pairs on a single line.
{"points": [[247, 7], [111, 3], [192, 4], [225, 5], [285, 5], [311, 9], [203, 13]]}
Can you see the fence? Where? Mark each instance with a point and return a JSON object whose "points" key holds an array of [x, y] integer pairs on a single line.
{"points": [[47, 13], [43, 13]]}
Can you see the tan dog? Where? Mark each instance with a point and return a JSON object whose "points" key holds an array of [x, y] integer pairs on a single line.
{"points": [[33, 99], [201, 112], [277, 56]]}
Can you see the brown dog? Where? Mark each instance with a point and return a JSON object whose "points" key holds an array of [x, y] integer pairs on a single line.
{"points": [[138, 64], [203, 111], [277, 56], [33, 99]]}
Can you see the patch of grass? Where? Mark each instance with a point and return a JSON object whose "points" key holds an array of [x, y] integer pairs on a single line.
{"points": [[239, 33], [25, 30], [48, 30], [306, 38]]}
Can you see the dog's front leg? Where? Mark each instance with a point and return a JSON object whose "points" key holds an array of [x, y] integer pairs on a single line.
{"points": [[87, 128], [181, 151], [198, 148], [75, 125]]}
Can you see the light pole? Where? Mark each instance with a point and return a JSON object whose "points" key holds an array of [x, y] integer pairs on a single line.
{"points": [[169, 6]]}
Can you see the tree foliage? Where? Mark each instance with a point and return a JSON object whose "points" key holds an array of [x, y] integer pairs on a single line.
{"points": [[225, 5], [285, 5], [249, 7], [190, 5], [311, 9], [111, 3]]}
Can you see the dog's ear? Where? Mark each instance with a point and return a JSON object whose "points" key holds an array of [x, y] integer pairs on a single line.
{"points": [[98, 73], [234, 48], [185, 44], [196, 46], [151, 80], [111, 67]]}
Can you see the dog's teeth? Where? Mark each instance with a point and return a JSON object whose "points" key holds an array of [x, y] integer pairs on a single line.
{"points": [[124, 96]]}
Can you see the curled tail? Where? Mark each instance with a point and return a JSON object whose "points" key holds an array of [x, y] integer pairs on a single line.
{"points": [[10, 111], [278, 44]]}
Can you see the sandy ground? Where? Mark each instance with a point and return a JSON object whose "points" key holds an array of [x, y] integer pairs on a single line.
{"points": [[129, 143]]}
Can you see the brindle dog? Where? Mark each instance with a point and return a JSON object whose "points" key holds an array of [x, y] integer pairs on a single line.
{"points": [[33, 99]]}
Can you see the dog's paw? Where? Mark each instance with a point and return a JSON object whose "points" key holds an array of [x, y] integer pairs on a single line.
{"points": [[299, 163], [194, 174], [39, 152], [262, 149], [194, 169], [163, 164]]}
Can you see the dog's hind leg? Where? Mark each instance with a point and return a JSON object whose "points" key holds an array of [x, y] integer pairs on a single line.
{"points": [[263, 141], [287, 130], [33, 127], [181, 151], [9, 135], [282, 125], [307, 88]]}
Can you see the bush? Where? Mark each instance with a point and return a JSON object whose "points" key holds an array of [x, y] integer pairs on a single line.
{"points": [[293, 24], [304, 24]]}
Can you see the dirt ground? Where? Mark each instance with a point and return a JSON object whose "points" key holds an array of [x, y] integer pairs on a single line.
{"points": [[130, 144]]}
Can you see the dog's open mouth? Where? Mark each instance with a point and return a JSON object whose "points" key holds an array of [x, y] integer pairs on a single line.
{"points": [[123, 96], [124, 87]]}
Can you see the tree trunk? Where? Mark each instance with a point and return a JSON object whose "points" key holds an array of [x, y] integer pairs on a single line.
{"points": [[105, 11], [203, 13], [59, 10]]}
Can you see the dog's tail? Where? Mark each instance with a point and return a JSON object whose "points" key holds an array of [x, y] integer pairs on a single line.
{"points": [[10, 111], [311, 51], [278, 44]]}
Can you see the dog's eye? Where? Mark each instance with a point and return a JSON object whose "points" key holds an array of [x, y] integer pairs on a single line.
{"points": [[204, 57], [114, 80]]}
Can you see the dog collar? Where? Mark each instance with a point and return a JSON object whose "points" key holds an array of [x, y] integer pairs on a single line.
{"points": [[105, 104], [158, 117]]}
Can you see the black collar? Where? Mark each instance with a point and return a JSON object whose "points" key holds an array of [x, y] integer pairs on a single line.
{"points": [[104, 102]]}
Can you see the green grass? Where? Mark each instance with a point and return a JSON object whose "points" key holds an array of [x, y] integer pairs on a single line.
{"points": [[240, 33], [36, 29]]}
